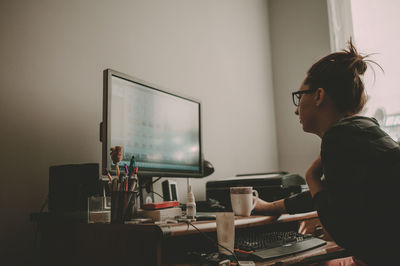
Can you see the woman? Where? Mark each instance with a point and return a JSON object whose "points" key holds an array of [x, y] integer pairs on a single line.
{"points": [[359, 163]]}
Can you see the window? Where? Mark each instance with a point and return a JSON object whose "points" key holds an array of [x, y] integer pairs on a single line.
{"points": [[374, 27]]}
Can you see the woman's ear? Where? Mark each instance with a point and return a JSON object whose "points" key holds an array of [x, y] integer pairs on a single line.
{"points": [[319, 96]]}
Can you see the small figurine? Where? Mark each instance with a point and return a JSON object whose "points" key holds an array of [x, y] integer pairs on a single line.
{"points": [[116, 157], [116, 154]]}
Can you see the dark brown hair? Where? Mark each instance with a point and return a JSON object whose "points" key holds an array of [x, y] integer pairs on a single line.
{"points": [[339, 75]]}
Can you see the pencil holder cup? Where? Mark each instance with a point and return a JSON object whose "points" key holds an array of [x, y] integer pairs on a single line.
{"points": [[123, 206]]}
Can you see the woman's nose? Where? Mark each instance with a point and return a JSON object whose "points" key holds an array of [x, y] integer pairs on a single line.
{"points": [[296, 112]]}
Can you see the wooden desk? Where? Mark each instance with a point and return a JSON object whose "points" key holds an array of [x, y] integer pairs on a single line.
{"points": [[298, 258], [145, 244]]}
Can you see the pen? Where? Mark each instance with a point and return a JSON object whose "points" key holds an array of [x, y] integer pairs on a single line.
{"points": [[133, 185], [132, 166], [109, 176], [135, 179], [117, 168], [115, 184], [110, 188], [126, 169]]}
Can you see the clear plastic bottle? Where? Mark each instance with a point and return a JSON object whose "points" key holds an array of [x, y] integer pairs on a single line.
{"points": [[190, 205]]}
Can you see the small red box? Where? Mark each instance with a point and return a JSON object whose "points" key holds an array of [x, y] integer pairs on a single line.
{"points": [[160, 205]]}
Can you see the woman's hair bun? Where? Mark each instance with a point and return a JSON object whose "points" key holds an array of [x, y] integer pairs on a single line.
{"points": [[357, 63], [339, 74]]}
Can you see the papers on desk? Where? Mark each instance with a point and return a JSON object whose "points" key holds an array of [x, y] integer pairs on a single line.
{"points": [[161, 214]]}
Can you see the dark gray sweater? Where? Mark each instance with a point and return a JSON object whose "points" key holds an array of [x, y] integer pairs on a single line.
{"points": [[360, 202]]}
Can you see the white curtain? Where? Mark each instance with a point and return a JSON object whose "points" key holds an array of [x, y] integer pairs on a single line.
{"points": [[340, 23]]}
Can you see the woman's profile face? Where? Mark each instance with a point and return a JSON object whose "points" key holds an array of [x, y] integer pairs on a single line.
{"points": [[306, 109]]}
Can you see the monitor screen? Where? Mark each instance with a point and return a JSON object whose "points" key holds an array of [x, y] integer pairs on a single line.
{"points": [[160, 129]]}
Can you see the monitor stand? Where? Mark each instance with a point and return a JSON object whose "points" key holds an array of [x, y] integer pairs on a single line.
{"points": [[146, 189]]}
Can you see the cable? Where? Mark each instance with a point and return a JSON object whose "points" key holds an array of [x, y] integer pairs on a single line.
{"points": [[215, 242], [147, 185], [44, 204], [36, 224], [152, 182], [157, 194], [156, 180]]}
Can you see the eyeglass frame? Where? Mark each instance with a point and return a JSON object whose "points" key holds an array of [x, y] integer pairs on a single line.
{"points": [[298, 94]]}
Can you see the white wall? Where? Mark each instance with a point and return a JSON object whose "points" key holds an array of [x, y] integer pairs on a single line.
{"points": [[299, 33], [52, 57]]}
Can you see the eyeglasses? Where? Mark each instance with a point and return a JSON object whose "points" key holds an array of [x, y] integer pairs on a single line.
{"points": [[296, 96]]}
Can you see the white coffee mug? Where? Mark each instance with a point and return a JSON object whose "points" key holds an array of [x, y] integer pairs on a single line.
{"points": [[242, 200]]}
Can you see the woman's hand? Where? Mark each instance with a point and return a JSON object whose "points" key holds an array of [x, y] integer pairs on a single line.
{"points": [[275, 208], [313, 176], [315, 228]]}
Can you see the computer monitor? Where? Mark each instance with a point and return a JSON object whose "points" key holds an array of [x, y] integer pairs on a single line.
{"points": [[162, 130]]}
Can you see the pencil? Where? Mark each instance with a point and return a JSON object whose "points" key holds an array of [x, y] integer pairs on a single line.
{"points": [[109, 176], [117, 168]]}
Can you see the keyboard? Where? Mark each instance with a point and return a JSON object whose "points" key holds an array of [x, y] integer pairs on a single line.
{"points": [[265, 245]]}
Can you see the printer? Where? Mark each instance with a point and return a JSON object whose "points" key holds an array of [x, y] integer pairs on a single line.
{"points": [[270, 186]]}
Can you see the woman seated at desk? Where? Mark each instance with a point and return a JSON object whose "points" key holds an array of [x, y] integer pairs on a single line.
{"points": [[355, 200]]}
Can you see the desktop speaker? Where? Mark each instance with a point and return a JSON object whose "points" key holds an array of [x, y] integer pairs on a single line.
{"points": [[71, 185], [170, 190]]}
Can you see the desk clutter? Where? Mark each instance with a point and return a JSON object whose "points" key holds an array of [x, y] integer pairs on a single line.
{"points": [[115, 200], [120, 206], [73, 187]]}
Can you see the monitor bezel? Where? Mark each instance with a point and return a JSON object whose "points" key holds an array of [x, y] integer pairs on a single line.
{"points": [[105, 130]]}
